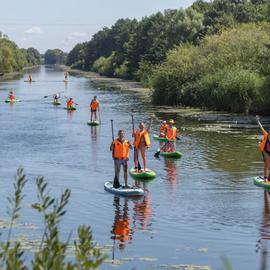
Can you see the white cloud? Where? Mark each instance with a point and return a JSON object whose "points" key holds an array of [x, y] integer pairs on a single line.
{"points": [[33, 30]]}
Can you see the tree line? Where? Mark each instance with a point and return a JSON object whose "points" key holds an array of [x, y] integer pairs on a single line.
{"points": [[212, 54], [14, 59]]}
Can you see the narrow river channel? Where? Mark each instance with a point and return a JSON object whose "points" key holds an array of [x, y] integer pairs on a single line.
{"points": [[199, 209]]}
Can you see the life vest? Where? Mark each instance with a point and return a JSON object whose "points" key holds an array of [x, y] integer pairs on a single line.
{"points": [[11, 97], [70, 103], [163, 128], [264, 140], [171, 133], [120, 149], [94, 104], [138, 137]]}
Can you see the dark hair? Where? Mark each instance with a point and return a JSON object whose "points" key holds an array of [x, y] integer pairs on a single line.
{"points": [[120, 130]]}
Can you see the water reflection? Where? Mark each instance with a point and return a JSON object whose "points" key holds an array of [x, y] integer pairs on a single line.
{"points": [[262, 244], [70, 114], [121, 229], [171, 169], [143, 210], [93, 133]]}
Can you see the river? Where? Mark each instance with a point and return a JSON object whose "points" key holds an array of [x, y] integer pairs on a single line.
{"points": [[199, 209]]}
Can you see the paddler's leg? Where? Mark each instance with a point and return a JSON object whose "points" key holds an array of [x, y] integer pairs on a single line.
{"points": [[117, 167], [95, 115], [266, 158], [142, 150], [136, 158], [91, 115], [125, 168]]}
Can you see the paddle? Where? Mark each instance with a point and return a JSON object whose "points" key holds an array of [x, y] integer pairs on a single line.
{"points": [[116, 183], [53, 94], [99, 115], [135, 150], [156, 155]]}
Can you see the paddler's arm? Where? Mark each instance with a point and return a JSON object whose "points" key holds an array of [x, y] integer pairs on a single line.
{"points": [[130, 145], [111, 147], [260, 125]]}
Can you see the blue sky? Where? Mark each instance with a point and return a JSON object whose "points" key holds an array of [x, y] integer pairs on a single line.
{"points": [[48, 24]]}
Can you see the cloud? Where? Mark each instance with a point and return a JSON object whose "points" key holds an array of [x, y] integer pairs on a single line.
{"points": [[33, 30]]}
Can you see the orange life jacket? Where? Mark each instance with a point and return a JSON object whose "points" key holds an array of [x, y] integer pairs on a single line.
{"points": [[163, 127], [171, 133], [138, 137], [264, 140], [70, 103], [94, 104], [120, 149], [11, 97]]}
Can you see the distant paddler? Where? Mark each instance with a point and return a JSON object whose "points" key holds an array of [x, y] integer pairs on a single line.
{"points": [[70, 104], [30, 79], [56, 99], [141, 143], [94, 106], [120, 153], [11, 96], [265, 150], [66, 76]]}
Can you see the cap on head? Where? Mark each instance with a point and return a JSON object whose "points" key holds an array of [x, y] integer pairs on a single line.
{"points": [[164, 122], [171, 121]]}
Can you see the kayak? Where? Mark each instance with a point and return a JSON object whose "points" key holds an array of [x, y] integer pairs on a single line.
{"points": [[93, 123], [56, 103], [130, 191], [175, 154], [161, 139], [71, 109], [144, 175], [11, 101], [258, 181]]}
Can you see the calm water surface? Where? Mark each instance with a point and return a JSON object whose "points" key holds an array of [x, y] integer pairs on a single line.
{"points": [[198, 209]]}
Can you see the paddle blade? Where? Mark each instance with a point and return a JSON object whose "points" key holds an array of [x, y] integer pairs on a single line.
{"points": [[156, 155]]}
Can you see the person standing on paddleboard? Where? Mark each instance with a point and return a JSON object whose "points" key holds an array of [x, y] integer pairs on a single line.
{"points": [[30, 79], [141, 143], [94, 106], [171, 134], [265, 149], [120, 153], [66, 76]]}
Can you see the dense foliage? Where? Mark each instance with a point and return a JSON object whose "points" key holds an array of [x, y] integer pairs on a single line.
{"points": [[51, 252], [180, 53], [55, 56], [14, 59]]}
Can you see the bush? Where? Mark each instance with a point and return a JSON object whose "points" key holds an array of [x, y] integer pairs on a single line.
{"points": [[52, 252]]}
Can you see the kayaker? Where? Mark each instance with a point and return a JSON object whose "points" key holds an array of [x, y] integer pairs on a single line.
{"points": [[141, 143], [265, 149], [56, 97], [120, 153], [70, 103], [171, 134], [163, 128], [30, 79], [11, 96], [94, 106]]}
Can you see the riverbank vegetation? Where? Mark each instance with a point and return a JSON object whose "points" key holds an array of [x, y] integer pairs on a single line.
{"points": [[55, 57], [212, 54], [51, 252], [14, 59]]}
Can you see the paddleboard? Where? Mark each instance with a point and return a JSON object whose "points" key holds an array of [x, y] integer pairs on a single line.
{"points": [[258, 181], [71, 109], [148, 174], [56, 103], [175, 154], [11, 101], [161, 139], [65, 80], [93, 123], [29, 81], [130, 191]]}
